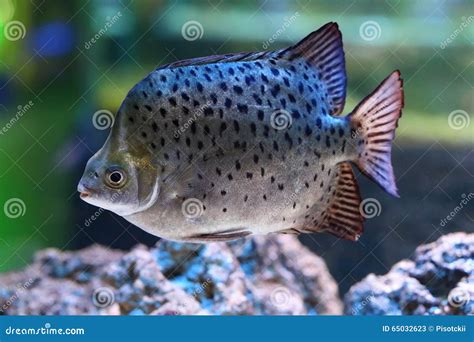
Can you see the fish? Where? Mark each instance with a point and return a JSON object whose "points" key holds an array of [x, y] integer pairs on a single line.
{"points": [[221, 147]]}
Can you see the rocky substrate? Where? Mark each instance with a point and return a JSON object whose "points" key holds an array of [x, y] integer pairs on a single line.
{"points": [[438, 280], [262, 275]]}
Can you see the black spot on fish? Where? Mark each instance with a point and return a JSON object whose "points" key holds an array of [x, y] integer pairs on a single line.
{"points": [[131, 119], [308, 131], [208, 111], [199, 86], [249, 175], [200, 144], [275, 72], [162, 142], [185, 96], [185, 110], [275, 145], [257, 99], [188, 141], [272, 179], [148, 108], [328, 141], [145, 95], [260, 115], [280, 187], [193, 127], [223, 192], [295, 114], [172, 101], [253, 129], [341, 132], [264, 78], [213, 98], [237, 165], [175, 88], [230, 176], [223, 86], [222, 128], [243, 108], [291, 98], [255, 159], [275, 90], [163, 78], [136, 107], [238, 90], [236, 126], [218, 171], [228, 102], [224, 210], [262, 172], [319, 123]]}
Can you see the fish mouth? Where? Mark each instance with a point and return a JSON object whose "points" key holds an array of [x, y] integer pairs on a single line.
{"points": [[84, 194]]}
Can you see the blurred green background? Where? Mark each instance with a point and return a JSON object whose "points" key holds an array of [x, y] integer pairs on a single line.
{"points": [[60, 62]]}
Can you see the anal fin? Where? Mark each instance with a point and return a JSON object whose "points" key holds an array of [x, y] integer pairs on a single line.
{"points": [[343, 218]]}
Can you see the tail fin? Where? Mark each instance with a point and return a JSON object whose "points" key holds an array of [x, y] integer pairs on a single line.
{"points": [[375, 120]]}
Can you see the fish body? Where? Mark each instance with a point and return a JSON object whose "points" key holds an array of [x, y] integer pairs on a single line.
{"points": [[221, 147]]}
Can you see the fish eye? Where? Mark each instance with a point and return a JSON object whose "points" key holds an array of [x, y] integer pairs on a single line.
{"points": [[115, 177]]}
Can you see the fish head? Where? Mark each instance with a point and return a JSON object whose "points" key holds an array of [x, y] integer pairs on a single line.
{"points": [[120, 181]]}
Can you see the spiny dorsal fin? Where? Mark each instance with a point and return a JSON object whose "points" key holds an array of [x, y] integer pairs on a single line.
{"points": [[227, 58], [323, 49], [343, 217]]}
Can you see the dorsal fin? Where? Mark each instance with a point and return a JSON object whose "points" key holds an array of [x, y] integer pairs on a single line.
{"points": [[229, 57], [323, 49]]}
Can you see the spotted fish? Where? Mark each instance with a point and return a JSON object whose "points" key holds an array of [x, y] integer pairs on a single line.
{"points": [[221, 147]]}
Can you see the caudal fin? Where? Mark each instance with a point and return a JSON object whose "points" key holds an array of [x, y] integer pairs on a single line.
{"points": [[373, 123]]}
